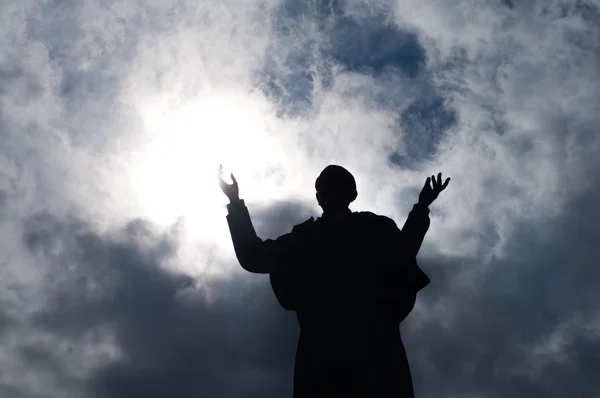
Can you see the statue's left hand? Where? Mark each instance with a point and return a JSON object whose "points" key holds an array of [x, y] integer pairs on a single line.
{"points": [[429, 193]]}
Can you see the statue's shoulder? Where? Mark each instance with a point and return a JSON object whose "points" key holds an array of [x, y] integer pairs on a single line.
{"points": [[303, 226], [372, 218]]}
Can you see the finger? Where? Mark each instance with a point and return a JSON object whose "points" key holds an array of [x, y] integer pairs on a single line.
{"points": [[220, 175], [433, 182], [446, 183], [439, 179], [427, 182], [233, 179]]}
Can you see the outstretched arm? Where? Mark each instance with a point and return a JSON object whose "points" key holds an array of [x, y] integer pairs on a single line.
{"points": [[401, 288], [275, 257], [414, 229], [254, 254], [418, 221], [402, 278]]}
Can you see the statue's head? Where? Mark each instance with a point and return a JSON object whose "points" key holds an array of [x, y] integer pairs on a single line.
{"points": [[336, 188]]}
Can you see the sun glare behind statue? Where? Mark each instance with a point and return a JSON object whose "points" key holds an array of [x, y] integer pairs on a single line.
{"points": [[176, 173]]}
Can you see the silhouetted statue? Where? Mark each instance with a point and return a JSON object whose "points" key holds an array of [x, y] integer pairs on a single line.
{"points": [[351, 278]]}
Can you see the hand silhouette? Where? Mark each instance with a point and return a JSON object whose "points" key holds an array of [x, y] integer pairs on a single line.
{"points": [[232, 191], [428, 193]]}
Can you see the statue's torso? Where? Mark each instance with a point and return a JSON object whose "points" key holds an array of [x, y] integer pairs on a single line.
{"points": [[346, 327], [343, 263]]}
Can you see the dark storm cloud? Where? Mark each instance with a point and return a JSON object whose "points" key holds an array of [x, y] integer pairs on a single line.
{"points": [[174, 340], [523, 330], [5, 321], [523, 326]]}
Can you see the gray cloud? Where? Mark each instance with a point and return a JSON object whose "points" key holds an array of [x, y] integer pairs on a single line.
{"points": [[525, 325], [527, 328], [171, 338]]}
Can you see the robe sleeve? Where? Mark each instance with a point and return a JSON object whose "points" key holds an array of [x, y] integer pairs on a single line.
{"points": [[403, 278], [415, 228], [254, 254]]}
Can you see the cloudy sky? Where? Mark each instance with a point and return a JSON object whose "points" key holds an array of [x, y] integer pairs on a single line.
{"points": [[117, 275]]}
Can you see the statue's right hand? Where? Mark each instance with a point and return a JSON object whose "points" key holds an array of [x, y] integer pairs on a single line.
{"points": [[232, 191]]}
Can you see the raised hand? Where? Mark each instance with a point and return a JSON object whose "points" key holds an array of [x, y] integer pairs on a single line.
{"points": [[232, 191], [429, 193]]}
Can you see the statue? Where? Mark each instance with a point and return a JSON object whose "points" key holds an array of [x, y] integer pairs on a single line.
{"points": [[351, 277]]}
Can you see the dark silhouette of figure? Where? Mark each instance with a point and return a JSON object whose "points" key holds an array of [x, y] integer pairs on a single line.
{"points": [[351, 278]]}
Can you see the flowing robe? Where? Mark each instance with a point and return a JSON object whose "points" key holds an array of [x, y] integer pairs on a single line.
{"points": [[351, 279]]}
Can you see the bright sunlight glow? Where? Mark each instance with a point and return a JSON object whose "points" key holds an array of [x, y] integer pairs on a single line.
{"points": [[175, 174]]}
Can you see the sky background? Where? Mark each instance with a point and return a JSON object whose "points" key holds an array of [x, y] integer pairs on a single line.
{"points": [[117, 274]]}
